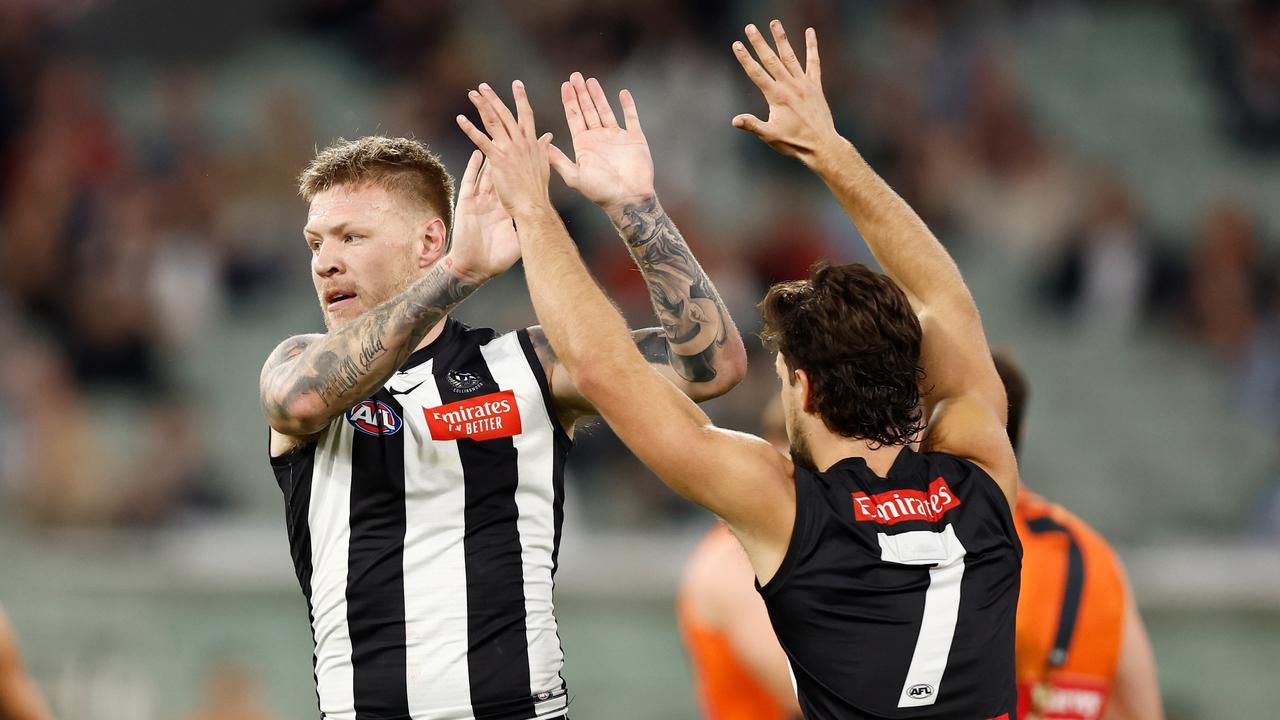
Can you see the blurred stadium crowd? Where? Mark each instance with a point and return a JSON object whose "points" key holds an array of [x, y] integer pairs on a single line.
{"points": [[147, 202]]}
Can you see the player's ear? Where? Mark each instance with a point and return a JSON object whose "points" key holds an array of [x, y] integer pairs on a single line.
{"points": [[806, 390], [432, 241]]}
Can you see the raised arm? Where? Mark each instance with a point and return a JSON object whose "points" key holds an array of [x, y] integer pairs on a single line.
{"points": [[739, 477], [964, 391], [310, 379], [697, 347]]}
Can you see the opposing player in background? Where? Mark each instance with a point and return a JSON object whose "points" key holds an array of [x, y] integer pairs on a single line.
{"points": [[739, 669], [422, 461], [891, 576], [19, 697], [1082, 650]]}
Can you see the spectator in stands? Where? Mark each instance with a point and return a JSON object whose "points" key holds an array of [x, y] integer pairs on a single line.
{"points": [[1110, 275], [1228, 282], [1242, 43]]}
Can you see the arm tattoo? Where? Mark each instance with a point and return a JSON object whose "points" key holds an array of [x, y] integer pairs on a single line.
{"points": [[347, 365], [695, 323]]}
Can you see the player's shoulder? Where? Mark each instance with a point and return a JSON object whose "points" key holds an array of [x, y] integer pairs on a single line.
{"points": [[1034, 508], [951, 465], [716, 561]]}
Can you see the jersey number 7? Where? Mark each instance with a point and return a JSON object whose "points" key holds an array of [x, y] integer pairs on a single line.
{"points": [[943, 551]]}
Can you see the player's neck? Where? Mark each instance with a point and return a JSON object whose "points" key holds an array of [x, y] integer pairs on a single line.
{"points": [[827, 449], [434, 334]]}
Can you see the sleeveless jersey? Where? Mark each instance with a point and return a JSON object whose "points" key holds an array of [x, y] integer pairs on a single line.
{"points": [[896, 596], [726, 689], [1070, 614], [424, 525]]}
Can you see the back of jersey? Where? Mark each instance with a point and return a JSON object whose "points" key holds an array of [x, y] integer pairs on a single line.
{"points": [[1071, 614], [897, 596]]}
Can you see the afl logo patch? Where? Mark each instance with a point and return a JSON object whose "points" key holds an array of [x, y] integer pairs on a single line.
{"points": [[463, 382], [374, 417], [919, 692]]}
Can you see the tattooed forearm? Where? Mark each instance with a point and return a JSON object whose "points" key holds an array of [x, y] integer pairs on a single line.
{"points": [[694, 319], [326, 374]]}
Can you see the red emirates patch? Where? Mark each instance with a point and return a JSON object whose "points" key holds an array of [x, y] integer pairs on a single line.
{"points": [[895, 506], [482, 418]]}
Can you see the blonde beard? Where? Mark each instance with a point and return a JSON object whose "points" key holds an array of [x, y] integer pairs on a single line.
{"points": [[406, 281]]}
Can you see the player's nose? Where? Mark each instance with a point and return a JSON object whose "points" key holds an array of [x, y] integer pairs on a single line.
{"points": [[328, 261]]}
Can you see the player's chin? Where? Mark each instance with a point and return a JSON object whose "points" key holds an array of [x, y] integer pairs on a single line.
{"points": [[337, 318]]}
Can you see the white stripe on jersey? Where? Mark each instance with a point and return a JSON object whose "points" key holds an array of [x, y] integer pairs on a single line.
{"points": [[435, 577], [535, 500], [329, 518], [944, 552]]}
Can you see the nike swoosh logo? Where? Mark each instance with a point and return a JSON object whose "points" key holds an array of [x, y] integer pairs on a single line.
{"points": [[406, 392]]}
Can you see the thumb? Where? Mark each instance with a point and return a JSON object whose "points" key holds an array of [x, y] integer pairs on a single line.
{"points": [[750, 123], [564, 167]]}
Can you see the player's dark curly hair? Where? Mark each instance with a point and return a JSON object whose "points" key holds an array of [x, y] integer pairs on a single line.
{"points": [[853, 332]]}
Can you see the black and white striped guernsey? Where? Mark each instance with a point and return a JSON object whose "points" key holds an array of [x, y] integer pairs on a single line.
{"points": [[424, 526]]}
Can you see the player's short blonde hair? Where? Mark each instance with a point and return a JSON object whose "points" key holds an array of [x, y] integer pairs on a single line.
{"points": [[401, 165]]}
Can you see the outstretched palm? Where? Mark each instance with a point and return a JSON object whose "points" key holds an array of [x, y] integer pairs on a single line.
{"points": [[612, 164], [484, 237], [799, 116]]}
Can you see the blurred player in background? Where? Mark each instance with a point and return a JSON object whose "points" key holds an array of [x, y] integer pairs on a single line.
{"points": [[1082, 650], [891, 576], [231, 692], [739, 670], [19, 697], [422, 461]]}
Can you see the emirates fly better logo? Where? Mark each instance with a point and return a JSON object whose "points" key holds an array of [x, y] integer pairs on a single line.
{"points": [[487, 417]]}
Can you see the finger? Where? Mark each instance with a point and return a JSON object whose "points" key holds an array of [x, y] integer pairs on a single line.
{"points": [[481, 140], [812, 65], [501, 109], [563, 166], [470, 175], [524, 112], [488, 116], [754, 71], [629, 113], [789, 59], [572, 112], [768, 58], [607, 118], [750, 123], [589, 114], [484, 183]]}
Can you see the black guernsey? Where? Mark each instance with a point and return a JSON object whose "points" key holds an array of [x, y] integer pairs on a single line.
{"points": [[896, 597]]}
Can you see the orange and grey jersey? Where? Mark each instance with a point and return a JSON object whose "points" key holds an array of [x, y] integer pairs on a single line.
{"points": [[1070, 615], [424, 525]]}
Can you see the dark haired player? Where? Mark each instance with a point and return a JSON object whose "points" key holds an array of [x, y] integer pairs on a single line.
{"points": [[890, 576], [1082, 650]]}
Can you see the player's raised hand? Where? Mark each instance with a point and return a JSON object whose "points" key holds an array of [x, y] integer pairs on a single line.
{"points": [[612, 165], [484, 237], [799, 117], [515, 157]]}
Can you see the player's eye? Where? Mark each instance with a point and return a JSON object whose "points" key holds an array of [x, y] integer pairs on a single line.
{"points": [[314, 245], [350, 238]]}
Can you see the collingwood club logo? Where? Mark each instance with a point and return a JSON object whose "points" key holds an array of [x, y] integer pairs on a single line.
{"points": [[463, 382]]}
